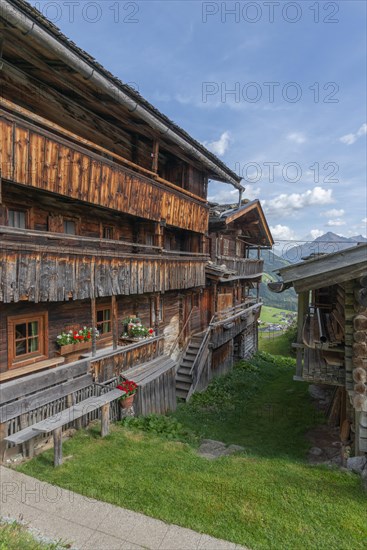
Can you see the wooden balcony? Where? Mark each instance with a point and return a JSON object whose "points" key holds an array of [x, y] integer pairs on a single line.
{"points": [[41, 159], [38, 266], [245, 267], [230, 323]]}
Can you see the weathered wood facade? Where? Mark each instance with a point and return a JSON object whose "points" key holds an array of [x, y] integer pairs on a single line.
{"points": [[104, 217], [332, 331]]}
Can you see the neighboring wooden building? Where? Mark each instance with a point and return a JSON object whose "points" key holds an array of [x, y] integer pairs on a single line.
{"points": [[104, 217], [228, 312], [332, 332]]}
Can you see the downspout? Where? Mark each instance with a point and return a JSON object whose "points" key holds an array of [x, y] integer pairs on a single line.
{"points": [[15, 17]]}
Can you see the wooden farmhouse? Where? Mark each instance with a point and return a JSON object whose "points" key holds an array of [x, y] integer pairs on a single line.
{"points": [[332, 333], [112, 261]]}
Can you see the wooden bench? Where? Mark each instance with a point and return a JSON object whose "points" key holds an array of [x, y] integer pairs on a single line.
{"points": [[56, 422], [41, 392], [34, 367]]}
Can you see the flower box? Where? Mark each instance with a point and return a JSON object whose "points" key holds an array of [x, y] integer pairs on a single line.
{"points": [[72, 348]]}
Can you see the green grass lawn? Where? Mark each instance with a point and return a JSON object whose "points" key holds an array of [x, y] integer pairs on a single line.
{"points": [[15, 536], [277, 344], [272, 314], [266, 497]]}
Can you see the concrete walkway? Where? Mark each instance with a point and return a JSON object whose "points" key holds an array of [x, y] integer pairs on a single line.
{"points": [[89, 524]]}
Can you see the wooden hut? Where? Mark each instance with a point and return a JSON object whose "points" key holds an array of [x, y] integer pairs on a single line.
{"points": [[332, 332]]}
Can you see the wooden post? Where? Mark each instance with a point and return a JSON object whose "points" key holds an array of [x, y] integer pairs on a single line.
{"points": [[105, 419], [57, 435], [158, 235], [155, 156], [303, 303], [94, 326], [3, 444], [115, 335], [156, 305]]}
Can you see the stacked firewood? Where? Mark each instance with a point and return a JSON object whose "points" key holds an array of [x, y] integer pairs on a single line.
{"points": [[359, 347]]}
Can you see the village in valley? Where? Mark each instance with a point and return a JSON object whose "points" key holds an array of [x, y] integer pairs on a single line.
{"points": [[183, 343]]}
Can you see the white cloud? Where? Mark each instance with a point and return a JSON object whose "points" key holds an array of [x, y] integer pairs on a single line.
{"points": [[335, 223], [364, 220], [282, 232], [333, 213], [220, 146], [296, 137], [285, 205], [314, 233], [349, 139], [230, 196]]}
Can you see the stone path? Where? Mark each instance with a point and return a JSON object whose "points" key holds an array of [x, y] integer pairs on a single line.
{"points": [[89, 524], [212, 449]]}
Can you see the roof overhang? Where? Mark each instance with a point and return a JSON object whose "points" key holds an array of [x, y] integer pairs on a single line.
{"points": [[326, 270], [251, 217]]}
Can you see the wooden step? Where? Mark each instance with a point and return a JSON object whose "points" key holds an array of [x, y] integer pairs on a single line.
{"points": [[186, 363], [184, 386], [185, 369], [181, 394], [182, 378]]}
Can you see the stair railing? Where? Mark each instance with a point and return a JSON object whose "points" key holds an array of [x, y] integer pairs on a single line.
{"points": [[200, 359], [175, 343]]}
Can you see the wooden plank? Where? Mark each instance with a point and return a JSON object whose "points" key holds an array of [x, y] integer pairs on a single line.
{"points": [[6, 149], [41, 380], [34, 401], [77, 411], [105, 419], [21, 371], [21, 436], [21, 139]]}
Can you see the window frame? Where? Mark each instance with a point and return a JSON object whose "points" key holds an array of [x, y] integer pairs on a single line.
{"points": [[66, 220], [153, 319], [104, 307], [28, 218], [41, 354], [111, 228]]}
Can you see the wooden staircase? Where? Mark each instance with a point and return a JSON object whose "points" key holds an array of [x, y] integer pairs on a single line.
{"points": [[186, 376]]}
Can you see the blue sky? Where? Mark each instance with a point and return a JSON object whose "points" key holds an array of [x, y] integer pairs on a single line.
{"points": [[276, 89]]}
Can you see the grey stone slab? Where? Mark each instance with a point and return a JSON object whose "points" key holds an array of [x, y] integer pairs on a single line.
{"points": [[179, 538], [210, 543], [102, 541], [56, 528]]}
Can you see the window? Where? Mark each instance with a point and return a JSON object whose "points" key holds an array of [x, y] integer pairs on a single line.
{"points": [[107, 232], [104, 321], [149, 239], [69, 227], [153, 318], [27, 339], [17, 218], [225, 247]]}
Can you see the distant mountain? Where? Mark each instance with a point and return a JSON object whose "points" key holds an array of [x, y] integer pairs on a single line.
{"points": [[326, 244], [284, 300]]}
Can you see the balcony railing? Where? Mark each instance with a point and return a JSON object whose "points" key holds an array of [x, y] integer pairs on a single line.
{"points": [[245, 267], [230, 323], [38, 266], [39, 158]]}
